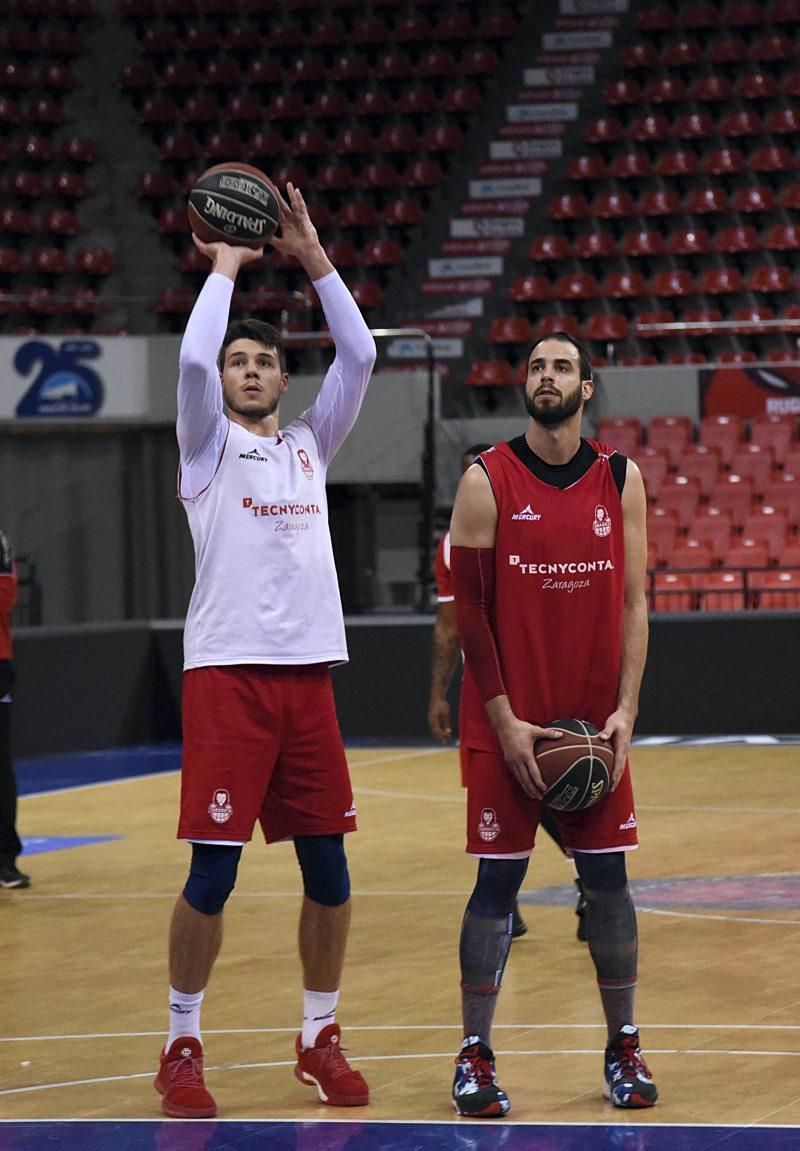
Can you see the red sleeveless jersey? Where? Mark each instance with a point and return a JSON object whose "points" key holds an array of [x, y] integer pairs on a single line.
{"points": [[559, 584]]}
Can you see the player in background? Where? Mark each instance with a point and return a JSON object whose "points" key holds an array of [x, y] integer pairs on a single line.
{"points": [[445, 656], [548, 556], [10, 844], [264, 626]]}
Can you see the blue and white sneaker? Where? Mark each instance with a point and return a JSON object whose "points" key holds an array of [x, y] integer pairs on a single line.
{"points": [[475, 1090], [628, 1082]]}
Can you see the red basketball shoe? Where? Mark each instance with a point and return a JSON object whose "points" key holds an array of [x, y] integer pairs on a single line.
{"points": [[180, 1081], [325, 1067]]}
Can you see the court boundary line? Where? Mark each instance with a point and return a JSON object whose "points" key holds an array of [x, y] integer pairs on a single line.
{"points": [[392, 1027]]}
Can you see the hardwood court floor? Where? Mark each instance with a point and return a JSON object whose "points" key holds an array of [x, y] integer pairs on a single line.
{"points": [[83, 974]]}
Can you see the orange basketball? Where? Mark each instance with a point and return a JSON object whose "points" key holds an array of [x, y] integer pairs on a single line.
{"points": [[576, 768]]}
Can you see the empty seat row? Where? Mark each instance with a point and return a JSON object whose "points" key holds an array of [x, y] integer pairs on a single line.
{"points": [[725, 591], [648, 241], [701, 199]]}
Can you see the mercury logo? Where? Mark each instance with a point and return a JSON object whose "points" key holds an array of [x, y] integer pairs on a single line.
{"points": [[527, 513]]}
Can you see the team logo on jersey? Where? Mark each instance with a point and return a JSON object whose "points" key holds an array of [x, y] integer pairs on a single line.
{"points": [[220, 809], [488, 828], [629, 823], [601, 525], [305, 463], [254, 454], [527, 513]]}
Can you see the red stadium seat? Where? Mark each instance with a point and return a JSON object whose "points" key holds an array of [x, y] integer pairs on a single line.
{"points": [[720, 591], [737, 238], [662, 529], [701, 463], [50, 261], [287, 106], [357, 214], [693, 555], [642, 242], [676, 162], [673, 591], [382, 253], [683, 52], [367, 294], [568, 206], [63, 222], [734, 493], [750, 319], [491, 373], [682, 493], [782, 122], [641, 55], [423, 174], [200, 110], [726, 433], [708, 88], [335, 177], [604, 130], [671, 282], [591, 167], [510, 330], [770, 278], [756, 86], [720, 281], [417, 100], [480, 61], [575, 286], [175, 301], [606, 327], [527, 289], [623, 286], [771, 158], [705, 201], [755, 461], [727, 49], [595, 245], [660, 202], [622, 91], [403, 213], [782, 237], [705, 316], [264, 72], [653, 318], [694, 126], [775, 432], [672, 433], [783, 493], [687, 242], [714, 525], [630, 166], [623, 433], [613, 205], [740, 122], [725, 161], [558, 322], [649, 129], [393, 65], [553, 246], [776, 590], [665, 90]]}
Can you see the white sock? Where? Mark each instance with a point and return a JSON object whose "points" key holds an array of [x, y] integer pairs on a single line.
{"points": [[319, 1010], [184, 1015]]}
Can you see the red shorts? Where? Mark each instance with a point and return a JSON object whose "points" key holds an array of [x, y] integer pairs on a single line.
{"points": [[262, 743], [502, 819]]}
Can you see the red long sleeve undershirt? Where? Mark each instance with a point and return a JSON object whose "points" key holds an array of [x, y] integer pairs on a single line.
{"points": [[473, 585]]}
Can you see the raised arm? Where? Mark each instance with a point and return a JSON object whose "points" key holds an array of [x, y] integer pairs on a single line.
{"points": [[619, 726], [201, 423], [335, 409]]}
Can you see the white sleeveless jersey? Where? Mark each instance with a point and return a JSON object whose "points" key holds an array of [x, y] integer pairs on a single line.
{"points": [[266, 590]]}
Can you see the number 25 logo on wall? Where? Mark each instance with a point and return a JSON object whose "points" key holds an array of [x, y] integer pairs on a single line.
{"points": [[62, 386]]}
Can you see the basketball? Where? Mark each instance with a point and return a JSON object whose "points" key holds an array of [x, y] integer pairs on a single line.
{"points": [[234, 203], [577, 768]]}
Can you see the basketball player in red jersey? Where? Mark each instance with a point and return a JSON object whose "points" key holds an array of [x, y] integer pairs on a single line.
{"points": [[548, 556], [445, 655], [261, 742]]}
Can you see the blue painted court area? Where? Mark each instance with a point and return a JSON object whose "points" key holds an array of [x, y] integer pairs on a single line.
{"points": [[363, 1136], [39, 773]]}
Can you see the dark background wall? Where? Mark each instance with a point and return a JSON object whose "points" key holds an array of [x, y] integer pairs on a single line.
{"points": [[96, 686]]}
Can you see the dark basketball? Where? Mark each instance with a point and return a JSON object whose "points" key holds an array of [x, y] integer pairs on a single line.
{"points": [[233, 203], [577, 768]]}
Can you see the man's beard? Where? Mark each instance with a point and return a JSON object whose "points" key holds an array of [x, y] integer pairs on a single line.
{"points": [[250, 412], [552, 416]]}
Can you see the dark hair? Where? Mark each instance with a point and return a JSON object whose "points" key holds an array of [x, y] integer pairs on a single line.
{"points": [[257, 330], [476, 449], [565, 338]]}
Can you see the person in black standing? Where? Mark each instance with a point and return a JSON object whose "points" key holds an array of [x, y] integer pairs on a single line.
{"points": [[10, 845]]}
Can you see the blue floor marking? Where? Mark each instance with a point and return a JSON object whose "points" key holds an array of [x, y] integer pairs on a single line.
{"points": [[79, 768], [211, 1135], [41, 844]]}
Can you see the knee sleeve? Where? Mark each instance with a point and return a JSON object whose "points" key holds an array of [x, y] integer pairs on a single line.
{"points": [[497, 886], [611, 930], [212, 876], [323, 864]]}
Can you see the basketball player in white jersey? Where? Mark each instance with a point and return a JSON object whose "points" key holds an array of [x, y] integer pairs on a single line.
{"points": [[264, 626]]}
